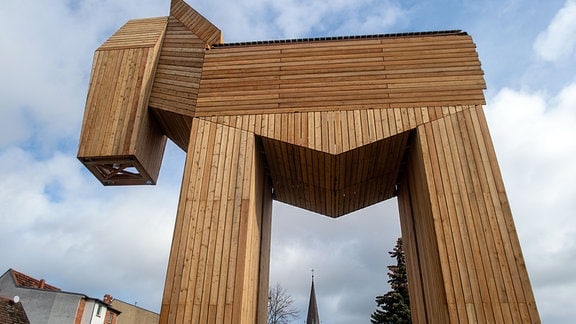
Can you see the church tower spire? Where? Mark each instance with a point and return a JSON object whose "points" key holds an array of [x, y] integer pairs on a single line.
{"points": [[312, 317]]}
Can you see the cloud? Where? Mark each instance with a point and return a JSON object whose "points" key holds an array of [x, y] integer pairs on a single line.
{"points": [[61, 224], [57, 218], [349, 256], [371, 19], [534, 135], [318, 18], [49, 63], [558, 41], [281, 19]]}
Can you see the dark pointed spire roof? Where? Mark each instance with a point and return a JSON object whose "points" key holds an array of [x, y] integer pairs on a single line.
{"points": [[312, 317]]}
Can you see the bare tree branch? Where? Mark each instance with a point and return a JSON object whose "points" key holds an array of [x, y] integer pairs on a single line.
{"points": [[280, 306]]}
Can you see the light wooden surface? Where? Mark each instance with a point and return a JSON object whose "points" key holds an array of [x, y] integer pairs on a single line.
{"points": [[195, 22], [463, 249], [330, 125], [351, 74], [221, 246], [120, 142], [176, 82]]}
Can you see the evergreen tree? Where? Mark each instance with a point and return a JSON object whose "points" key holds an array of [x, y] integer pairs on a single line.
{"points": [[394, 306]]}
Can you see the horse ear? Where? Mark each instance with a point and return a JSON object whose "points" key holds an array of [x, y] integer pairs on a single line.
{"points": [[195, 22]]}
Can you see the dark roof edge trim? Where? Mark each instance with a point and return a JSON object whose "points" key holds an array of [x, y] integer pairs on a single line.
{"points": [[336, 38]]}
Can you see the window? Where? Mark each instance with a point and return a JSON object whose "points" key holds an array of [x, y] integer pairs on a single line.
{"points": [[98, 310]]}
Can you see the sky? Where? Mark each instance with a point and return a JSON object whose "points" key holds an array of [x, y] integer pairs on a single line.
{"points": [[59, 223]]}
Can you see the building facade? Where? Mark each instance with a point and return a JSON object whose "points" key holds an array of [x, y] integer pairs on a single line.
{"points": [[132, 314], [47, 304], [11, 311]]}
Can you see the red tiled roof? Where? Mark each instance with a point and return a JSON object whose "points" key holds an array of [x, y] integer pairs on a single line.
{"points": [[11, 312], [23, 280]]}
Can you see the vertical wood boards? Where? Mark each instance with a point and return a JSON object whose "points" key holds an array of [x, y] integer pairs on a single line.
{"points": [[343, 183], [120, 143], [220, 252], [332, 125], [336, 132], [349, 159], [454, 207], [265, 228]]}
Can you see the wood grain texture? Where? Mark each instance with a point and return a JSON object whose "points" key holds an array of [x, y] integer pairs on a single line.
{"points": [[352, 74], [334, 185], [336, 132], [136, 33], [335, 162], [453, 206], [120, 142], [195, 22], [222, 232], [176, 82], [330, 125]]}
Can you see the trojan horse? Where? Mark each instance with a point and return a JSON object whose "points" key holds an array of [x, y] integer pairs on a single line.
{"points": [[331, 125]]}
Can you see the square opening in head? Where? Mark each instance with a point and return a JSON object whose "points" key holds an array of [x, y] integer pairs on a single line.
{"points": [[118, 171]]}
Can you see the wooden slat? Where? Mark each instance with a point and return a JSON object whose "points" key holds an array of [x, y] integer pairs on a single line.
{"points": [[422, 245], [343, 74], [482, 271], [195, 22], [117, 130], [136, 33], [521, 281], [334, 185], [218, 240], [333, 126], [178, 73], [335, 132]]}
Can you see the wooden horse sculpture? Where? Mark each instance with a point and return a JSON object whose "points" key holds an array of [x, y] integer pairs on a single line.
{"points": [[331, 125]]}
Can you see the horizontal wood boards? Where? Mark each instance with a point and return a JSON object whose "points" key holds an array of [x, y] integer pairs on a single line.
{"points": [[350, 74], [195, 22], [178, 71], [176, 81], [136, 33]]}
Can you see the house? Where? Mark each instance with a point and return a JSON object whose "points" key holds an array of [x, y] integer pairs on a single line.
{"points": [[44, 303], [12, 311], [132, 314]]}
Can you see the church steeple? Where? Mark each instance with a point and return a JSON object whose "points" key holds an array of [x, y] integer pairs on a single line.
{"points": [[312, 317]]}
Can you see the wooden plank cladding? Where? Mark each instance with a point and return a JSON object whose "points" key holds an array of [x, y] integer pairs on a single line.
{"points": [[178, 72], [336, 132], [195, 22], [177, 79], [120, 142], [351, 74], [222, 232], [331, 125], [335, 185], [464, 249], [136, 33]]}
